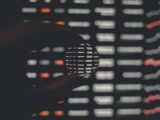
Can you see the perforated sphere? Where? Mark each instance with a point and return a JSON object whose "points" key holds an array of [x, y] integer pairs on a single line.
{"points": [[82, 60]]}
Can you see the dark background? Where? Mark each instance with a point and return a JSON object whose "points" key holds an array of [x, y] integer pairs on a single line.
{"points": [[10, 13]]}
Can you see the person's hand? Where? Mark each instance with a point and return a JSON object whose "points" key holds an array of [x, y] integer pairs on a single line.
{"points": [[17, 101]]}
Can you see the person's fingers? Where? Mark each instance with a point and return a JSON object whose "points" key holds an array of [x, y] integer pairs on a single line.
{"points": [[34, 35], [60, 84]]}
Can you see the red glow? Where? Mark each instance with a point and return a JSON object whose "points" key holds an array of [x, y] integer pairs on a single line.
{"points": [[59, 113], [59, 62], [45, 75], [153, 24], [151, 111], [152, 62], [44, 113], [45, 10], [60, 23], [151, 98]]}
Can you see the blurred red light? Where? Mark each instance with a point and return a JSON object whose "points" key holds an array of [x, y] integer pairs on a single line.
{"points": [[44, 113], [59, 113], [60, 23], [45, 75], [45, 10], [59, 62]]}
